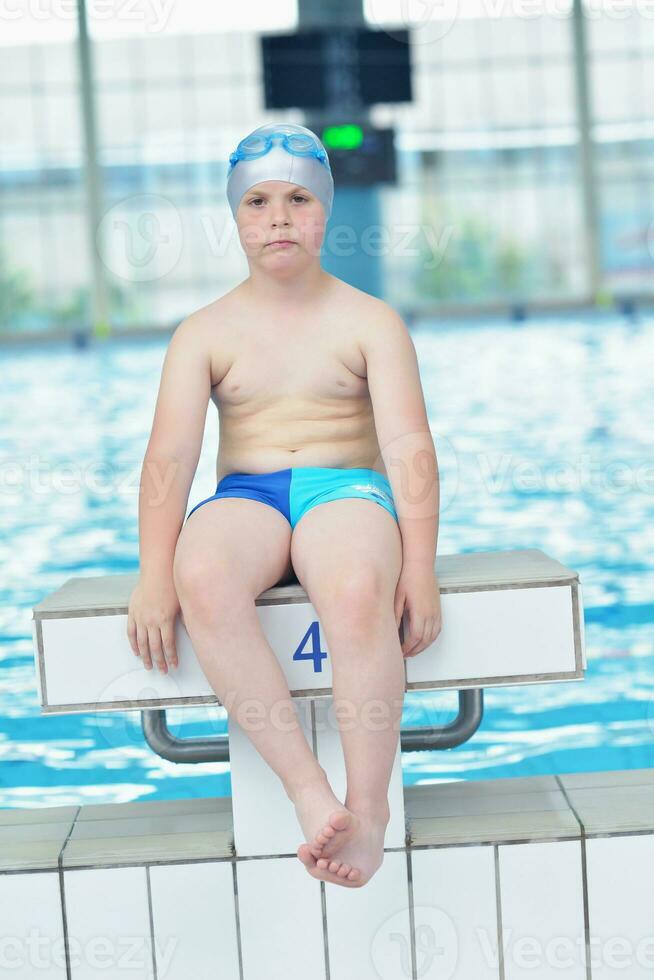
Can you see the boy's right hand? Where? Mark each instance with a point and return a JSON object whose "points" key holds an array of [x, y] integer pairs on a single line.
{"points": [[153, 609]]}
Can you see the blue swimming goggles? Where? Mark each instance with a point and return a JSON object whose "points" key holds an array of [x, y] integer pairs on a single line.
{"points": [[257, 145]]}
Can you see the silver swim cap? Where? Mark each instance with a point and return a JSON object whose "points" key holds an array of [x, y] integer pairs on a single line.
{"points": [[282, 151]]}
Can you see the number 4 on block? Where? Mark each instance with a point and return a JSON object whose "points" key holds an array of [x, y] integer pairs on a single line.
{"points": [[316, 654]]}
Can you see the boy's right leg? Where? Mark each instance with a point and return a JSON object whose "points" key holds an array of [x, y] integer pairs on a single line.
{"points": [[228, 552]]}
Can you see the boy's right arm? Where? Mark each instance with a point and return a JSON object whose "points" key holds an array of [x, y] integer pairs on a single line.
{"points": [[174, 447], [169, 465]]}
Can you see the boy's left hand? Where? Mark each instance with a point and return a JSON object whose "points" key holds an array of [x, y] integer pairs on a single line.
{"points": [[418, 589]]}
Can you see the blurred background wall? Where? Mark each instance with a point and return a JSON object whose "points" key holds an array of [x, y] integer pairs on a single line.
{"points": [[524, 162]]}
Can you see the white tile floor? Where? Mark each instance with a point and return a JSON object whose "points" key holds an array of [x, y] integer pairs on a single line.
{"points": [[158, 891]]}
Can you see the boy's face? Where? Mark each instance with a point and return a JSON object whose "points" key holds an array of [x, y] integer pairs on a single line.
{"points": [[273, 210]]}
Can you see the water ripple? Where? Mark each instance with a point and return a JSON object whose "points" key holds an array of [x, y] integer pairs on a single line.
{"points": [[543, 431]]}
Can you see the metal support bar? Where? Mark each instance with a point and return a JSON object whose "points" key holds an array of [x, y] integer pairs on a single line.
{"points": [[215, 748], [468, 719]]}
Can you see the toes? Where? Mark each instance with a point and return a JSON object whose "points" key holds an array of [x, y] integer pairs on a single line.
{"points": [[340, 829], [328, 831], [305, 856], [332, 879], [335, 867], [339, 819]]}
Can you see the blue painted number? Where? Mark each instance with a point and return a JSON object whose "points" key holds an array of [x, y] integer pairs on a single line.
{"points": [[316, 654]]}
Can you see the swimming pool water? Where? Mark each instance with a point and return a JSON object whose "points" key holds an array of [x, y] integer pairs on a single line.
{"points": [[543, 431]]}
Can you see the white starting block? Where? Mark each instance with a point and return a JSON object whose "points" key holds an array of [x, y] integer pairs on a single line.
{"points": [[508, 618], [512, 617]]}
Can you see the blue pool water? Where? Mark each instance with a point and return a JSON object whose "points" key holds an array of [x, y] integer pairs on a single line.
{"points": [[543, 431]]}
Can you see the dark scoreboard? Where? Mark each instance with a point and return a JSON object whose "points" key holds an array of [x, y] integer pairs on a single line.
{"points": [[337, 68]]}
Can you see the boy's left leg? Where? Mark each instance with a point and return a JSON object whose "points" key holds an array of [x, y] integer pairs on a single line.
{"points": [[347, 554]]}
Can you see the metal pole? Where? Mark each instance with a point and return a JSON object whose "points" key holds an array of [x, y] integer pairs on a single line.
{"points": [[99, 294], [340, 13], [586, 151], [355, 208]]}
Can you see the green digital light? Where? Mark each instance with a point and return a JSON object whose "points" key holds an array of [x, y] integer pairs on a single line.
{"points": [[346, 137]]}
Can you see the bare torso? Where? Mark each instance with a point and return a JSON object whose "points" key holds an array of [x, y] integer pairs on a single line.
{"points": [[291, 390]]}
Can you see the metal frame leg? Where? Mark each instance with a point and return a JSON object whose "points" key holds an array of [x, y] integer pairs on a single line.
{"points": [[215, 748]]}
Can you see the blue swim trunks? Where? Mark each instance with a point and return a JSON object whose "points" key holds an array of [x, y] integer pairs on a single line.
{"points": [[296, 490]]}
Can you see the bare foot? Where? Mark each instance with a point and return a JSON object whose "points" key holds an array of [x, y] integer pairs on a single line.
{"points": [[357, 860], [325, 822]]}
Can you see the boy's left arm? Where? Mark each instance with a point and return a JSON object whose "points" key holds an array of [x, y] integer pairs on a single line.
{"points": [[408, 452]]}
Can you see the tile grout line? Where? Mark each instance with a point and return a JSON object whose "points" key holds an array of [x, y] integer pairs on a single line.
{"points": [[412, 915], [148, 887], [493, 840], [237, 914], [325, 929], [172, 862], [498, 912], [584, 875], [62, 892]]}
